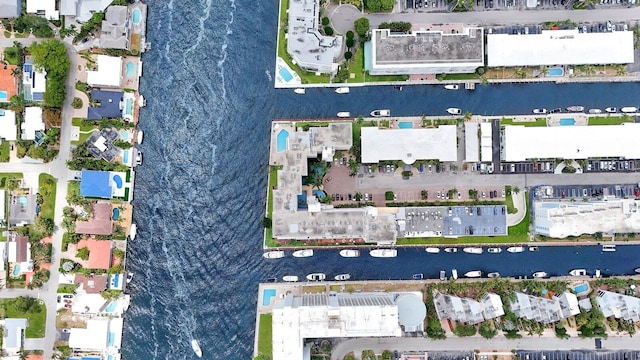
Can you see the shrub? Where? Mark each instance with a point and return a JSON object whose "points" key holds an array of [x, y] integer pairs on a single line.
{"points": [[348, 55], [388, 195], [480, 70], [325, 21], [328, 30], [76, 103], [464, 330], [83, 253], [350, 43], [350, 34], [361, 26]]}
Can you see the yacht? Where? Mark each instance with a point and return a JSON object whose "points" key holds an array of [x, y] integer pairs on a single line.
{"points": [[451, 250], [418, 276], [515, 249], [494, 250], [598, 275], [342, 90], [129, 277], [432, 250], [348, 253], [556, 110], [290, 278], [343, 277], [133, 230], [299, 91], [276, 254], [452, 87], [629, 109], [454, 274], [578, 272], [303, 253], [138, 157], [384, 253], [595, 111], [196, 348], [575, 108], [443, 275], [381, 113], [454, 111], [608, 248], [533, 248], [139, 136], [316, 277], [611, 110], [473, 274], [472, 250], [493, 275], [539, 111], [344, 114], [637, 270], [540, 274]]}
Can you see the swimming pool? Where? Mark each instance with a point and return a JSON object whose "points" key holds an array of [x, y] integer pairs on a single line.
{"points": [[267, 294], [282, 138], [3, 96], [405, 125], [16, 270], [110, 338], [128, 109], [124, 135], [116, 216], [555, 71], [130, 69], [135, 16], [567, 122], [581, 288], [286, 75], [112, 307], [125, 157], [22, 200], [117, 179], [320, 194], [115, 282]]}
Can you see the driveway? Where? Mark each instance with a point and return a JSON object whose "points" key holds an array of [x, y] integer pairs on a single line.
{"points": [[343, 16]]}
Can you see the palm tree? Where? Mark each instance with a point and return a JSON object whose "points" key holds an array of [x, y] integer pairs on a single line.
{"points": [[516, 190]]}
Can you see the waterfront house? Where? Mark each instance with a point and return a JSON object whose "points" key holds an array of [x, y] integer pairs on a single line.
{"points": [[101, 336], [100, 222], [537, 309], [99, 253], [82, 10], [464, 310], [92, 284], [568, 304], [618, 306], [107, 72], [45, 8], [115, 29], [13, 335], [10, 8], [492, 306], [108, 105]]}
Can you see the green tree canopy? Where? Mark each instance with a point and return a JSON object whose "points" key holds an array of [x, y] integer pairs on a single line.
{"points": [[379, 5], [361, 26], [51, 56]]}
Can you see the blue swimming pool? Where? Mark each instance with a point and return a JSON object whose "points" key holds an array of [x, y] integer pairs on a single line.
{"points": [[282, 138], [320, 194], [131, 69], [125, 157], [112, 307], [286, 75], [128, 108], [16, 270], [555, 71], [135, 16], [405, 125], [110, 338], [567, 122], [267, 294], [3, 96], [118, 181], [115, 216], [124, 135], [581, 288], [115, 282], [22, 200]]}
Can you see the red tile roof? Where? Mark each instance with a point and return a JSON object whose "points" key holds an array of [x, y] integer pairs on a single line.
{"points": [[99, 253], [21, 248], [99, 224], [91, 284], [8, 81]]}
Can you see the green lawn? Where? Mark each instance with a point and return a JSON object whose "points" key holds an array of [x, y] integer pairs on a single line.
{"points": [[4, 151], [67, 289], [47, 188], [472, 76], [13, 60], [7, 175], [609, 120], [538, 122], [273, 183], [37, 317], [265, 335], [84, 131]]}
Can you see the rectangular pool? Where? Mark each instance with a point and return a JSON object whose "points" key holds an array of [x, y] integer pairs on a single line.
{"points": [[567, 122], [405, 125], [286, 75], [267, 294], [581, 288], [3, 96], [555, 71]]}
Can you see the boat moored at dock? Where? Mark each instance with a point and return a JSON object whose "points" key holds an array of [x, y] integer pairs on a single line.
{"points": [[139, 136], [578, 272], [349, 253], [473, 274], [452, 87], [381, 113], [595, 111], [540, 274], [608, 248], [303, 253], [492, 275], [343, 114], [473, 250], [494, 250], [533, 248], [290, 278], [454, 274], [443, 275], [276, 254], [451, 250], [611, 110], [316, 277], [342, 277], [418, 276], [575, 108], [454, 111], [637, 270], [432, 250], [342, 90], [629, 109], [129, 277], [540, 111], [133, 230], [515, 249], [300, 91], [384, 253]]}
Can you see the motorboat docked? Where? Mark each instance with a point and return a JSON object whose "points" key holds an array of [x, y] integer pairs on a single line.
{"points": [[454, 111], [290, 278], [494, 250], [473, 274], [139, 136], [138, 158], [629, 109], [472, 250], [637, 270], [443, 275], [578, 272], [129, 277], [276, 254], [492, 275], [342, 277], [533, 248], [397, 87], [432, 250], [344, 114], [348, 253], [451, 250], [384, 253], [608, 248], [381, 113], [595, 111], [539, 111], [196, 348], [342, 90], [303, 253], [598, 275], [515, 249], [540, 274], [452, 87], [418, 276], [454, 274], [575, 108], [316, 277], [300, 91], [133, 230], [611, 110]]}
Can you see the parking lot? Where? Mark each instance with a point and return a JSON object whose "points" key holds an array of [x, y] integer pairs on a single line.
{"points": [[475, 220], [595, 191], [578, 355]]}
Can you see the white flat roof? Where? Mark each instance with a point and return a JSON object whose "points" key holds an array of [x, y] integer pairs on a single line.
{"points": [[571, 142], [46, 6], [471, 142], [32, 122], [8, 128], [560, 47], [486, 141], [109, 72], [409, 145], [94, 337]]}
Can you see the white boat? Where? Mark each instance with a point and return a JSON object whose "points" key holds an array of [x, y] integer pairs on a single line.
{"points": [[348, 253], [443, 275], [344, 114], [540, 274], [139, 137], [138, 157], [494, 250], [473, 274], [451, 250], [419, 276], [515, 249], [133, 230], [611, 110], [196, 348], [629, 109], [472, 250], [452, 87], [129, 277], [608, 248], [578, 272], [598, 275], [142, 102], [454, 274], [290, 278], [384, 253], [533, 248], [575, 108], [381, 113], [316, 277], [299, 91], [454, 111], [595, 111], [276, 254], [303, 253], [432, 250], [493, 275], [637, 270], [342, 90], [539, 111], [343, 277]]}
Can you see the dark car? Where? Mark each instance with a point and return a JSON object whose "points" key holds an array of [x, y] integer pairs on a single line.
{"points": [[67, 296]]}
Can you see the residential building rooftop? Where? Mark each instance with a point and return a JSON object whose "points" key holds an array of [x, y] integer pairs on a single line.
{"points": [[109, 105], [34, 81], [100, 144], [460, 309], [409, 145], [32, 123], [114, 33], [14, 334], [618, 305], [82, 10], [100, 223], [10, 8], [8, 127], [93, 284], [44, 8], [22, 209], [108, 72], [96, 184], [8, 82], [537, 309], [99, 253]]}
